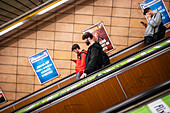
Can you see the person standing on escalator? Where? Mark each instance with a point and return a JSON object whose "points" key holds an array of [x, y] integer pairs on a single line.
{"points": [[81, 60], [94, 56]]}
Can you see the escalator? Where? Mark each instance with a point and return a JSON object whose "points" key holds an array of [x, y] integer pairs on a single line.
{"points": [[110, 85], [69, 79]]}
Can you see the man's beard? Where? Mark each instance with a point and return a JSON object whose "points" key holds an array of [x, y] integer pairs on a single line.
{"points": [[87, 43]]}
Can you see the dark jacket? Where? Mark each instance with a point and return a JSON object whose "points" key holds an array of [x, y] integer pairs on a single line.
{"points": [[93, 58]]}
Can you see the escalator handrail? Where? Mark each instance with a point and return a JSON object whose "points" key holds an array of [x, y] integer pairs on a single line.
{"points": [[93, 73], [138, 98], [63, 79]]}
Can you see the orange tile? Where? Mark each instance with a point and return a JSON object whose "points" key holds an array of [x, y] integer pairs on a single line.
{"points": [[135, 23], [25, 88], [122, 3], [69, 18], [121, 12], [137, 13], [124, 22], [44, 44], [119, 40], [9, 95], [7, 78], [97, 19], [62, 45], [103, 2], [61, 36], [22, 70], [103, 11], [79, 28], [8, 86], [25, 79], [119, 31], [134, 40], [8, 51], [45, 35], [37, 87], [20, 95], [64, 72], [8, 60], [62, 64], [62, 55], [135, 3], [23, 61], [27, 43], [77, 38], [84, 10], [26, 52], [64, 27], [84, 19], [134, 32], [8, 69]]}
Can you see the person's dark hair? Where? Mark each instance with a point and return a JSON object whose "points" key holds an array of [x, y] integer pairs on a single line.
{"points": [[146, 10], [75, 46], [86, 35]]}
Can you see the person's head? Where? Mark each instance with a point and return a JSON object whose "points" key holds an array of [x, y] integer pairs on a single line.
{"points": [[76, 48], [148, 11], [87, 37]]}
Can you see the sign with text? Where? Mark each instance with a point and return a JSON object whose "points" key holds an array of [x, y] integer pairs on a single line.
{"points": [[100, 34], [2, 97], [43, 66], [158, 6]]}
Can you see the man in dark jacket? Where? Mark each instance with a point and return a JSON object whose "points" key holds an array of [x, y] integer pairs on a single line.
{"points": [[94, 55]]}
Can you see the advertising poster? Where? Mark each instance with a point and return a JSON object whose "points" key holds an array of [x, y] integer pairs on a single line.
{"points": [[2, 97], [43, 66], [100, 34], [158, 6]]}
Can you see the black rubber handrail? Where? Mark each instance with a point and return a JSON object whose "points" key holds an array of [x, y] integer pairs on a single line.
{"points": [[99, 71], [138, 98]]}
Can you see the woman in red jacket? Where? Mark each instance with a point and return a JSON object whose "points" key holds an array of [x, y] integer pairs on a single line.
{"points": [[81, 60]]}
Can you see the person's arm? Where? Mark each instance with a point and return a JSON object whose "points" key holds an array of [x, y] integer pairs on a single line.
{"points": [[83, 61], [155, 21], [93, 61]]}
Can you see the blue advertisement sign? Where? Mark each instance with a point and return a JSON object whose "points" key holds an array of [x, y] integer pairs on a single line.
{"points": [[158, 6], [43, 66]]}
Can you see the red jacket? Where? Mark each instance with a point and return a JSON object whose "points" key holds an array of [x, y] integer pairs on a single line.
{"points": [[80, 62]]}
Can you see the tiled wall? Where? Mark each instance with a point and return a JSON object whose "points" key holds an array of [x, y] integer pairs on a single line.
{"points": [[121, 19]]}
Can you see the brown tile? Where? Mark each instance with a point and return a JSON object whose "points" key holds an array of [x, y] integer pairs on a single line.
{"points": [[137, 13], [26, 52], [105, 11], [117, 48], [73, 66], [135, 3], [122, 3], [6, 103], [134, 32], [8, 69], [103, 2], [37, 87], [62, 63], [64, 27], [11, 43], [7, 78], [120, 31], [25, 79], [8, 51], [97, 19], [84, 19], [63, 45], [20, 95], [60, 36], [24, 88], [124, 22], [64, 72], [62, 55], [9, 95], [69, 18], [121, 12], [119, 40], [79, 28], [8, 86], [136, 23], [44, 44], [77, 37], [85, 2], [8, 60], [134, 40], [27, 43], [47, 26], [25, 70], [107, 29], [23, 61], [46, 35], [84, 10], [27, 34]]}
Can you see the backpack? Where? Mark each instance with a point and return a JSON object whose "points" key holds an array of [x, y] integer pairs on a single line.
{"points": [[161, 31], [105, 59]]}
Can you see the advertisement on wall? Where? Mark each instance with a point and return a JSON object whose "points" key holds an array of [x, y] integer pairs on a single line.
{"points": [[2, 97], [158, 6], [43, 66], [100, 34]]}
